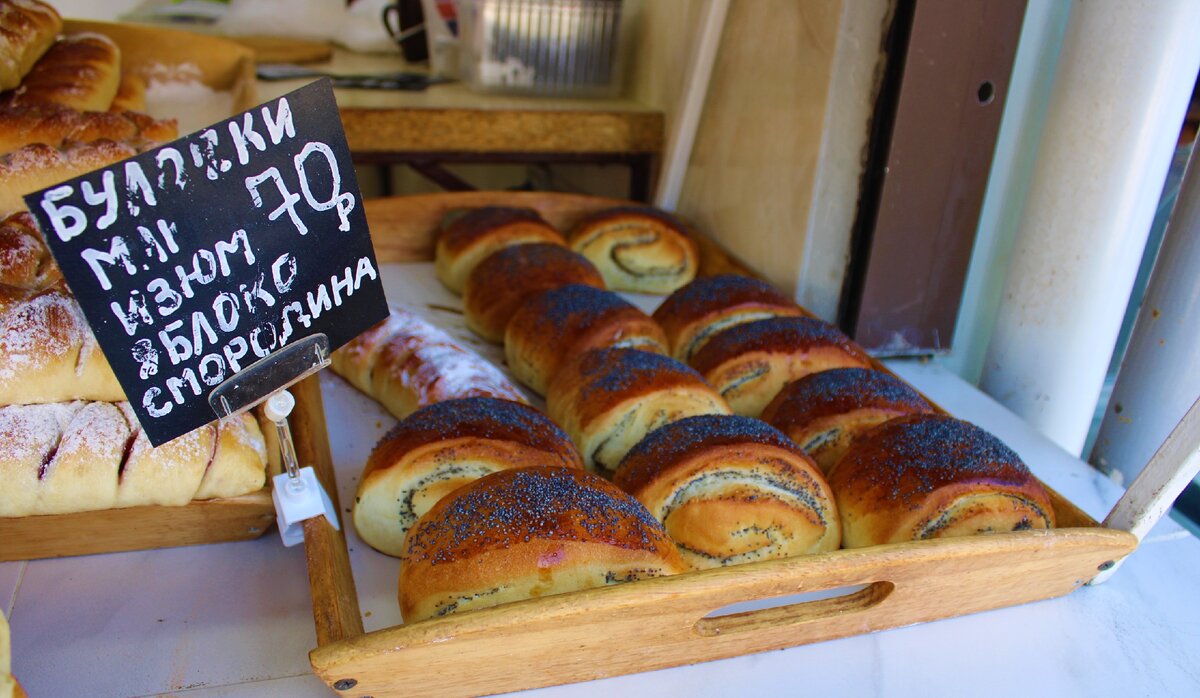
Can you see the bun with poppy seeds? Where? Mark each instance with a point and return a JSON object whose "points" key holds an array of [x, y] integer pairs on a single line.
{"points": [[932, 476], [731, 489], [525, 533]]}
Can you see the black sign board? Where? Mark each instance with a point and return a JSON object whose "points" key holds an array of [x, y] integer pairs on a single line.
{"points": [[196, 259]]}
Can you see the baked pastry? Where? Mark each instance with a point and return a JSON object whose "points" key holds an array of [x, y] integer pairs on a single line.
{"points": [[47, 350], [467, 240], [60, 127], [80, 71], [525, 533], [731, 489], [638, 249], [25, 261], [27, 29], [405, 362], [499, 284], [823, 412], [749, 364], [608, 399], [35, 167], [933, 476], [566, 321], [442, 447], [8, 685], [82, 456], [695, 313], [131, 93]]}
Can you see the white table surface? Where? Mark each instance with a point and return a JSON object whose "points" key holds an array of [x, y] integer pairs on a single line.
{"points": [[235, 619]]}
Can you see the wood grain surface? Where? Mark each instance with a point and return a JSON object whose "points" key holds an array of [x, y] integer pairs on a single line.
{"points": [[136, 528], [659, 623], [334, 598]]}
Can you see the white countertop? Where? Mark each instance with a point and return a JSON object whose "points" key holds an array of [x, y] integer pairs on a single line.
{"points": [[235, 619]]}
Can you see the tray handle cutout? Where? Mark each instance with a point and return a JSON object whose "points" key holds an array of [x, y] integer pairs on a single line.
{"points": [[793, 609]]}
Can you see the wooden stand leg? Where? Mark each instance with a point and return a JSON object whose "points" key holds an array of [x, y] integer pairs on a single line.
{"points": [[334, 598]]}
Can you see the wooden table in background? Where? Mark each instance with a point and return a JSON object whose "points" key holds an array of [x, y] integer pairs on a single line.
{"points": [[449, 123]]}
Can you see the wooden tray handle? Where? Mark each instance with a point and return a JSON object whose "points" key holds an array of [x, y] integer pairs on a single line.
{"points": [[864, 598], [705, 615]]}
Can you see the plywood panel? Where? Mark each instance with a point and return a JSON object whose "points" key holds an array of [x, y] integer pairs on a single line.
{"points": [[775, 132], [662, 46]]}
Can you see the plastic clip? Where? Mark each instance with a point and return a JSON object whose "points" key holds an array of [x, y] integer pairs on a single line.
{"points": [[297, 493]]}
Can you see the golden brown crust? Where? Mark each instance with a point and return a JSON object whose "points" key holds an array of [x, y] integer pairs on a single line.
{"points": [[27, 29], [47, 351], [80, 71], [476, 418], [525, 533], [638, 249], [131, 94], [563, 322], [823, 412], [601, 380], [38, 166], [25, 261], [58, 127], [750, 363], [698, 311], [608, 399], [730, 490], [499, 284], [442, 447], [472, 237], [83, 456], [933, 476]]}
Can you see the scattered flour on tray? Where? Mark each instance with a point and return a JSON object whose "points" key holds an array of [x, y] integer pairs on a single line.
{"points": [[178, 92]]}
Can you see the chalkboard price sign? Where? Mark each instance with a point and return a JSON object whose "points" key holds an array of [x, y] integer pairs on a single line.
{"points": [[194, 260]]}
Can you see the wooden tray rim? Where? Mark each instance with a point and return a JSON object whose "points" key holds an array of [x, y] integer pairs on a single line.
{"points": [[137, 527]]}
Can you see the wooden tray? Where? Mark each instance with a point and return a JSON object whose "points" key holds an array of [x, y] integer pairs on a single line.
{"points": [[136, 528], [223, 66], [664, 622]]}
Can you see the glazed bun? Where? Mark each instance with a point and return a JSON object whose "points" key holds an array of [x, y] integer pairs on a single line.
{"points": [[25, 261], [80, 71], [638, 249], [27, 29], [730, 490], [47, 350], [44, 127], [823, 412], [442, 447], [566, 321], [525, 533], [500, 284], [933, 476], [608, 399], [467, 240], [69, 457], [38, 166], [750, 363], [709, 305]]}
